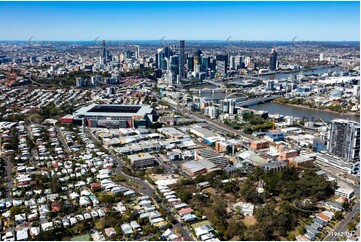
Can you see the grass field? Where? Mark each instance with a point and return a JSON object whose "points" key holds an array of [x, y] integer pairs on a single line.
{"points": [[83, 237]]}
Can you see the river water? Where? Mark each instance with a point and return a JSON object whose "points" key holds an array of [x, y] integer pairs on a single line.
{"points": [[287, 110], [316, 71]]}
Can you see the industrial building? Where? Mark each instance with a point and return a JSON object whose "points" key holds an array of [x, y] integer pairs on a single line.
{"points": [[259, 144], [193, 168], [112, 116], [141, 161], [228, 146], [211, 156], [344, 139]]}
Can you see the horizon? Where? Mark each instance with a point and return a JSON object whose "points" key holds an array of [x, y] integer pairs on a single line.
{"points": [[189, 40], [146, 21]]}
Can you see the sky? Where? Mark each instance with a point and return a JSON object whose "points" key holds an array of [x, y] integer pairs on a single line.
{"points": [[267, 21]]}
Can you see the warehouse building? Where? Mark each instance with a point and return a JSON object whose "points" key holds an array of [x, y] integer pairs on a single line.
{"points": [[142, 161]]}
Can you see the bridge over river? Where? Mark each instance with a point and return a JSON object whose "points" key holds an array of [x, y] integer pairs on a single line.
{"points": [[255, 101]]}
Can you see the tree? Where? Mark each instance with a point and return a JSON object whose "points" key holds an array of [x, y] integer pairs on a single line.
{"points": [[15, 211], [346, 205], [105, 198], [351, 226], [55, 185], [158, 170], [234, 228], [338, 215], [302, 230]]}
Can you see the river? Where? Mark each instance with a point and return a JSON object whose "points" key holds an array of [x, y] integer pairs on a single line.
{"points": [[287, 110], [316, 71]]}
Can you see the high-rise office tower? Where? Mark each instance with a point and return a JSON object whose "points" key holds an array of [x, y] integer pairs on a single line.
{"points": [[168, 52], [129, 54], [159, 59], [197, 68], [182, 72], [104, 53], [247, 61], [222, 63], [273, 60], [190, 63], [137, 53], [163, 64], [344, 139], [205, 63], [174, 64], [232, 62], [198, 53], [239, 61]]}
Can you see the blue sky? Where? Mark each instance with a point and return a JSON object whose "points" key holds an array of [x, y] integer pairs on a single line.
{"points": [[180, 20]]}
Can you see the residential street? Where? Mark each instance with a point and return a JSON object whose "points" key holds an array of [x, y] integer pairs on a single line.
{"points": [[148, 189]]}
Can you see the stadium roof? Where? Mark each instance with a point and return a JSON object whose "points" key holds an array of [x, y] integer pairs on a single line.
{"points": [[114, 110]]}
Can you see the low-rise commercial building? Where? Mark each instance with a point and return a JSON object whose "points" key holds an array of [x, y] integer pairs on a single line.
{"points": [[259, 144], [141, 161]]}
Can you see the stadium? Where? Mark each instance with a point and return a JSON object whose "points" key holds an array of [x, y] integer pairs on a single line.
{"points": [[112, 116]]}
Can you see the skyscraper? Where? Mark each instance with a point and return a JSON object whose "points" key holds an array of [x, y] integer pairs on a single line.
{"points": [[205, 63], [137, 53], [104, 53], [273, 60], [174, 63], [344, 139], [190, 63], [159, 59], [232, 62], [182, 72], [168, 52], [222, 63], [240, 61]]}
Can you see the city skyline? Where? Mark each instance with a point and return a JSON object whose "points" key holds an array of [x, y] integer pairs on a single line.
{"points": [[85, 21]]}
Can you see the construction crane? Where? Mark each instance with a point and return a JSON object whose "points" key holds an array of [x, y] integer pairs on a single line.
{"points": [[323, 122], [273, 122]]}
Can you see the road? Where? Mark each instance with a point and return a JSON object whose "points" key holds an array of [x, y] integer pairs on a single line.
{"points": [[216, 125], [148, 189], [62, 140], [342, 226], [9, 179]]}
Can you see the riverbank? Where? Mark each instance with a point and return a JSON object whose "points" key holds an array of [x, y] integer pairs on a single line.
{"points": [[318, 109]]}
